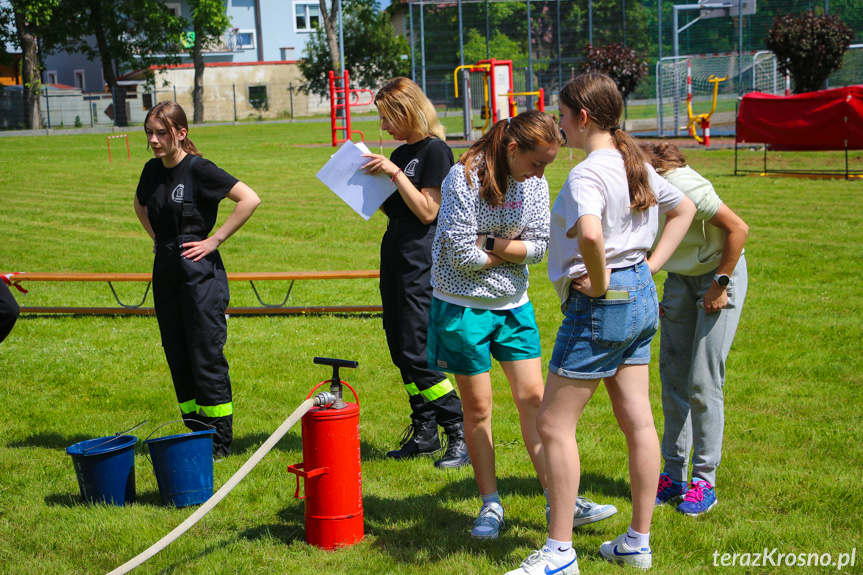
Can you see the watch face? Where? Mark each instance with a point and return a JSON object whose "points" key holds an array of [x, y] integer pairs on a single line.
{"points": [[723, 280]]}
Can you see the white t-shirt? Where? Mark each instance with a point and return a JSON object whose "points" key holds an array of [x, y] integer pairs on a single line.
{"points": [[598, 186]]}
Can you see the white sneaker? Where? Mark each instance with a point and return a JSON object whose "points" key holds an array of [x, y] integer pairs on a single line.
{"points": [[489, 522], [544, 562], [618, 551], [586, 511]]}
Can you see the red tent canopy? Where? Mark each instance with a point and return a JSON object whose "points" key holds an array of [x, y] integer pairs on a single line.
{"points": [[826, 120]]}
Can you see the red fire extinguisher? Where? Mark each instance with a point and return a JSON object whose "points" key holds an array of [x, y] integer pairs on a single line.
{"points": [[331, 466]]}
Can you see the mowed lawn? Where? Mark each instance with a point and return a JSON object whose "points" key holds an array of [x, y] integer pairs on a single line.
{"points": [[792, 460]]}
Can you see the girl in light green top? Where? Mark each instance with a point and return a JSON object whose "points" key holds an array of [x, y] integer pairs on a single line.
{"points": [[699, 314]]}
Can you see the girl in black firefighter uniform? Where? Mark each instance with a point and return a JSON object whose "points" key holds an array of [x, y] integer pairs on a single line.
{"points": [[417, 169], [190, 285]]}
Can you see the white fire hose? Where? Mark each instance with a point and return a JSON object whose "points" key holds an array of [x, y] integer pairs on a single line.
{"points": [[322, 399]]}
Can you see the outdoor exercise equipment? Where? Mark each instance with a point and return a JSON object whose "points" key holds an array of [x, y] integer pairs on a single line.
{"points": [[497, 104], [702, 120], [341, 96], [540, 99], [340, 528]]}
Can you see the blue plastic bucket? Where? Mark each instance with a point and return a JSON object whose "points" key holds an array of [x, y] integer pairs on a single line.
{"points": [[183, 465], [105, 468]]}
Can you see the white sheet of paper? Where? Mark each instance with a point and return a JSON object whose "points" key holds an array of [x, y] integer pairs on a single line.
{"points": [[362, 192]]}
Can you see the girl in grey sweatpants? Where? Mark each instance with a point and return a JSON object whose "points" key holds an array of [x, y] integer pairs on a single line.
{"points": [[699, 313]]}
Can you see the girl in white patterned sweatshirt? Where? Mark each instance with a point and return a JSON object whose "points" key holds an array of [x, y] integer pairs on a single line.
{"points": [[493, 223]]}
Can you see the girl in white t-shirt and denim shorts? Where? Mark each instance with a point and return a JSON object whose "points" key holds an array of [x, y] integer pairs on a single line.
{"points": [[602, 225]]}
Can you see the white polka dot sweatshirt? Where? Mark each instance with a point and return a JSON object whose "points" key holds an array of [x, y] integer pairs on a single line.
{"points": [[457, 274]]}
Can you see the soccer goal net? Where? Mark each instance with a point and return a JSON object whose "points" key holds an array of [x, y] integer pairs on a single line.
{"points": [[749, 72]]}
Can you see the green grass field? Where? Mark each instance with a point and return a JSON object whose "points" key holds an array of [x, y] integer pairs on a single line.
{"points": [[792, 460]]}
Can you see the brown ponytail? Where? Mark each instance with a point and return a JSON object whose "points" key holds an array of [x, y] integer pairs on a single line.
{"points": [[597, 94], [664, 157], [172, 116], [528, 130]]}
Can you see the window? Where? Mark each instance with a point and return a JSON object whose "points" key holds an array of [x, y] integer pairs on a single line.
{"points": [[79, 79], [173, 8], [307, 16], [258, 98], [244, 40], [51, 76]]}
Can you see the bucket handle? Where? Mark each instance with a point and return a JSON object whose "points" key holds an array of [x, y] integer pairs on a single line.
{"points": [[147, 452], [116, 435], [330, 381], [177, 421], [296, 470]]}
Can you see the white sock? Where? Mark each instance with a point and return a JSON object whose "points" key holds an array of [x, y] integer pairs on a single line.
{"points": [[562, 548], [637, 540]]}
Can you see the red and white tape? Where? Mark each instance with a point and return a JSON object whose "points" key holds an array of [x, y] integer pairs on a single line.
{"points": [[7, 279]]}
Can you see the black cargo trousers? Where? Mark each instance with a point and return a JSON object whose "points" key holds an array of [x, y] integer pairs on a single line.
{"points": [[190, 300], [9, 311], [406, 293]]}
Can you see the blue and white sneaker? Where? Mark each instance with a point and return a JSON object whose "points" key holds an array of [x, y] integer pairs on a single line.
{"points": [[699, 499], [489, 522], [544, 562], [669, 489], [586, 511], [618, 551]]}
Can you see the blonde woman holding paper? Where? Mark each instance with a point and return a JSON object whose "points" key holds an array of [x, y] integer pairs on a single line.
{"points": [[417, 168]]}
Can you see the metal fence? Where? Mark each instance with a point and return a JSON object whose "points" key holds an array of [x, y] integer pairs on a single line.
{"points": [[70, 108], [546, 41]]}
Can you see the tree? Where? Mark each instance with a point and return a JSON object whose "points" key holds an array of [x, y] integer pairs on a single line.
{"points": [[500, 46], [29, 17], [810, 47], [331, 19], [209, 22], [374, 52], [624, 65], [129, 35]]}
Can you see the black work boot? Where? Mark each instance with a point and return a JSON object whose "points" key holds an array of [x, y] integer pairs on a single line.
{"points": [[420, 438], [456, 451]]}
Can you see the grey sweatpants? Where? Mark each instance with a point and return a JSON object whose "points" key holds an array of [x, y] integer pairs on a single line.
{"points": [[693, 348]]}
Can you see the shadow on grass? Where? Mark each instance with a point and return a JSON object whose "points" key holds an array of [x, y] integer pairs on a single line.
{"points": [[603, 485], [49, 441], [420, 527], [248, 444], [149, 498], [402, 526]]}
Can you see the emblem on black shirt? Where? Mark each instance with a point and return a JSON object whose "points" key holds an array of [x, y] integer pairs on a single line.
{"points": [[177, 194], [411, 168]]}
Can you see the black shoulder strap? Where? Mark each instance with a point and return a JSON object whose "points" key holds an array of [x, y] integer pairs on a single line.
{"points": [[189, 188], [422, 155], [188, 195]]}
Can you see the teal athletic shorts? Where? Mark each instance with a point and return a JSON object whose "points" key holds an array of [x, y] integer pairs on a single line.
{"points": [[462, 340]]}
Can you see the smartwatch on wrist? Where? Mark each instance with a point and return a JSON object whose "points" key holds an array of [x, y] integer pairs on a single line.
{"points": [[489, 243], [722, 280]]}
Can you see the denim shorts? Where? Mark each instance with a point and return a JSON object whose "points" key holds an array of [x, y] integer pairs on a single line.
{"points": [[600, 334], [462, 339]]}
